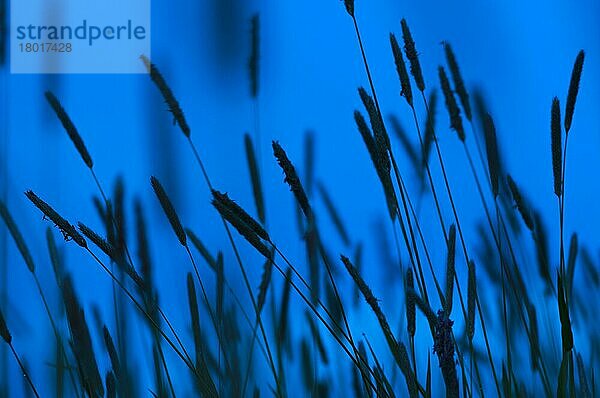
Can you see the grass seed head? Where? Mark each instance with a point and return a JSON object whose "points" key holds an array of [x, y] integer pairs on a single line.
{"points": [[382, 173], [401, 69], [143, 252], [444, 348], [17, 236], [112, 351], [168, 96], [520, 203], [459, 84], [556, 137], [349, 7], [265, 281], [255, 179], [241, 214], [451, 105], [413, 57], [169, 210], [292, 179], [429, 128], [491, 144], [253, 61], [69, 232], [398, 349], [70, 128], [573, 90], [112, 252], [450, 270], [471, 299], [244, 229], [202, 249], [4, 332], [382, 140], [82, 341], [410, 305], [99, 241]]}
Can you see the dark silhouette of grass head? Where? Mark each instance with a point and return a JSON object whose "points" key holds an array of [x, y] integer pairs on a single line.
{"points": [[70, 128], [69, 232]]}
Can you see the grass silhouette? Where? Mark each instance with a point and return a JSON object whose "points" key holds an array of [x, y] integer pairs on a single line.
{"points": [[480, 350]]}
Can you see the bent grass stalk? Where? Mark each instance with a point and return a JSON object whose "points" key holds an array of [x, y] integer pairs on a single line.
{"points": [[292, 179], [25, 253], [167, 94], [208, 388], [557, 138], [426, 251], [415, 70], [254, 78], [7, 337], [396, 171], [214, 264], [407, 93], [417, 74], [463, 95], [255, 178], [397, 349], [75, 137], [106, 248], [81, 341], [356, 361], [312, 307], [399, 180], [182, 355], [70, 233], [381, 154], [411, 322], [493, 167], [465, 252], [179, 232], [380, 150], [240, 220]]}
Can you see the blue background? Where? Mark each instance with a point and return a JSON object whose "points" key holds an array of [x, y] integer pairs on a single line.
{"points": [[519, 53]]}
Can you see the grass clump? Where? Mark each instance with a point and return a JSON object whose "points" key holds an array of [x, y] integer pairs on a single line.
{"points": [[301, 324]]}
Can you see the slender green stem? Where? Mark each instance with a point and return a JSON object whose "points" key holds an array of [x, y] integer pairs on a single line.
{"points": [[62, 350], [186, 359], [466, 254], [208, 306], [242, 269], [417, 259], [320, 317], [426, 251], [307, 286], [497, 238], [561, 204], [412, 256], [430, 178], [113, 224], [504, 310], [401, 185], [313, 308], [161, 354], [479, 151], [337, 295], [543, 373], [25, 373]]}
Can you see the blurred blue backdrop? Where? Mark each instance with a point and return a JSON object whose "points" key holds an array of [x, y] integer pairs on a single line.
{"points": [[520, 55]]}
